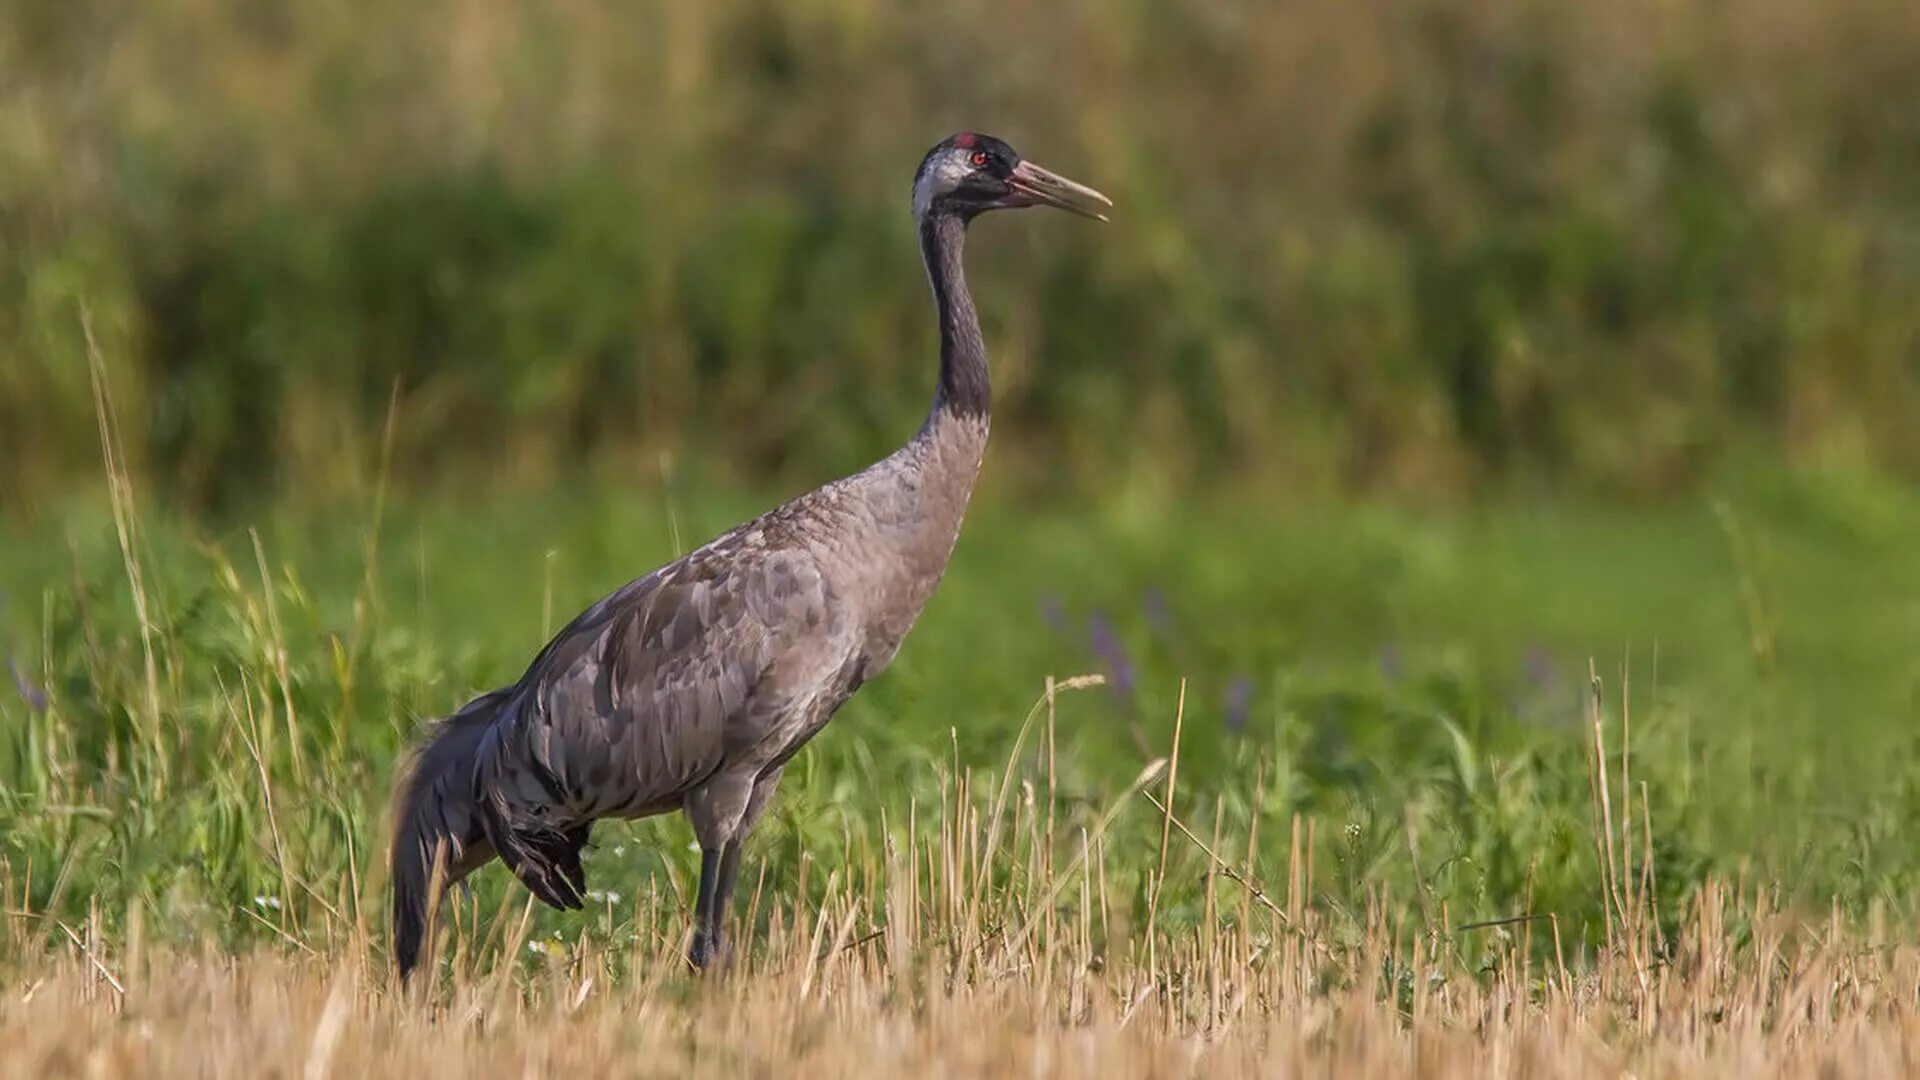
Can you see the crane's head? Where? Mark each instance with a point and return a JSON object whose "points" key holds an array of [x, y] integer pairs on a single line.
{"points": [[970, 174]]}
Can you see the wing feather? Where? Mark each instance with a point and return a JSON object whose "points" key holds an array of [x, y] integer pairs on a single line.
{"points": [[644, 695]]}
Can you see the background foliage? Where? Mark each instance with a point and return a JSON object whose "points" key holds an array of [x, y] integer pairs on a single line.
{"points": [[1398, 245]]}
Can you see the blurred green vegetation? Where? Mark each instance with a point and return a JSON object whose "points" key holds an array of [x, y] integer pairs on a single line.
{"points": [[1413, 686], [482, 265], [1403, 246]]}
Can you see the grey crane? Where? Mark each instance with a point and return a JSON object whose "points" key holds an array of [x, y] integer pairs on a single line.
{"points": [[690, 688]]}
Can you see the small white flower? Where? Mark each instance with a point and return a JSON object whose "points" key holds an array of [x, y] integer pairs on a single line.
{"points": [[267, 902]]}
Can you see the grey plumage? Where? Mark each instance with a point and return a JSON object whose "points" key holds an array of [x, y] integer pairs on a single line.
{"points": [[690, 688]]}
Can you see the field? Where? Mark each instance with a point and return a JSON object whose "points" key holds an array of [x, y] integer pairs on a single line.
{"points": [[1392, 843], [1442, 598]]}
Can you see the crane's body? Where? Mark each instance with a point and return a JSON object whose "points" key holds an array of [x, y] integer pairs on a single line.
{"points": [[691, 687]]}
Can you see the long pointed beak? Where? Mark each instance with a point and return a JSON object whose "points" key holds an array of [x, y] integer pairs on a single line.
{"points": [[1035, 186]]}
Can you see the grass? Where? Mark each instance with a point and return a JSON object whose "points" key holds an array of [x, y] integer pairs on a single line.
{"points": [[1207, 769], [1252, 999], [1379, 731], [988, 956]]}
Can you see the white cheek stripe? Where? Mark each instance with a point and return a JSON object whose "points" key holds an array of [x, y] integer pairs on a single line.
{"points": [[945, 175]]}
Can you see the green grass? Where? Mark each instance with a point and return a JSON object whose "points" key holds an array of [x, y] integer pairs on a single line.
{"points": [[1396, 669]]}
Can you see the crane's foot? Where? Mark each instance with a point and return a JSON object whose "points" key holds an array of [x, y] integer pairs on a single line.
{"points": [[709, 950]]}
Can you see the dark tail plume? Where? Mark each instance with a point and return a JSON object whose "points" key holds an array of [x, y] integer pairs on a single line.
{"points": [[435, 811]]}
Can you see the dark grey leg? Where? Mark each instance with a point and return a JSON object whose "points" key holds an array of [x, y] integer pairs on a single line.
{"points": [[720, 858], [705, 922], [723, 898]]}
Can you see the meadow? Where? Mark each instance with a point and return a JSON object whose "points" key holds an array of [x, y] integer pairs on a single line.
{"points": [[1442, 597], [1380, 734]]}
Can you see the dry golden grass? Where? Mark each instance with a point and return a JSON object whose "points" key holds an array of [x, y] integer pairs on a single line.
{"points": [[1224, 1004], [981, 944]]}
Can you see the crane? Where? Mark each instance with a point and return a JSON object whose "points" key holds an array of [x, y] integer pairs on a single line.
{"points": [[692, 687]]}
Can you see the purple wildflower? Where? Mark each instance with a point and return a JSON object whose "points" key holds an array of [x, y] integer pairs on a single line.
{"points": [[1107, 648], [35, 697], [1390, 665], [1054, 612], [1539, 666], [1239, 702], [1153, 603]]}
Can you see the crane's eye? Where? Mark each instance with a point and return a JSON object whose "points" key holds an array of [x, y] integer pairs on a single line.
{"points": [[979, 159]]}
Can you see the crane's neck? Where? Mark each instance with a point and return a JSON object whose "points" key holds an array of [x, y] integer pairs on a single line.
{"points": [[914, 500], [965, 391]]}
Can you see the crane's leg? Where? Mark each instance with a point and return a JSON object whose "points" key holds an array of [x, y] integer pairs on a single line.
{"points": [[705, 921], [723, 813], [719, 868], [763, 789], [716, 810]]}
